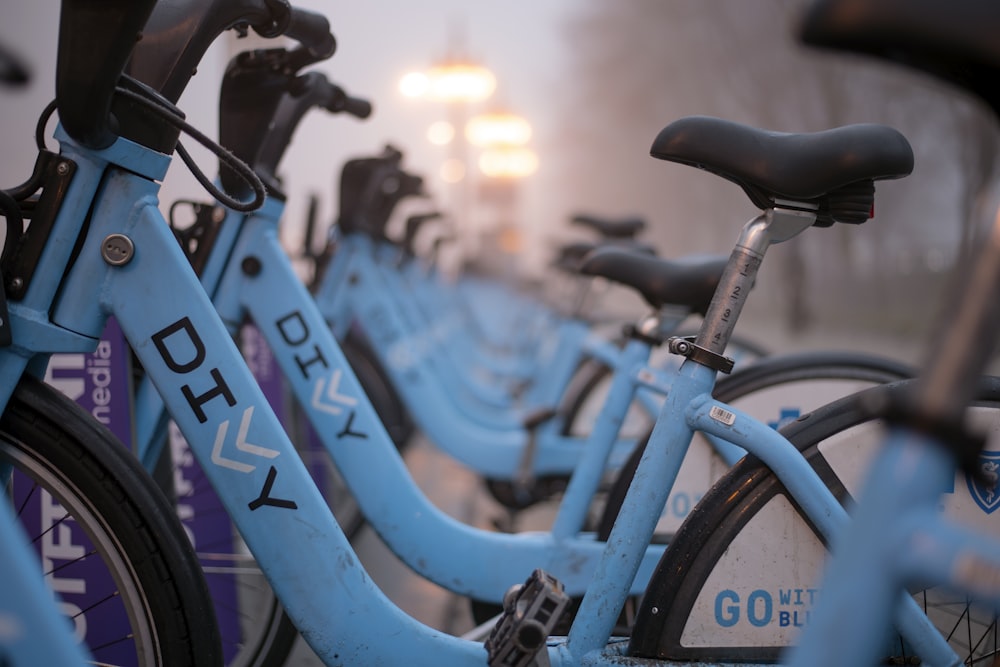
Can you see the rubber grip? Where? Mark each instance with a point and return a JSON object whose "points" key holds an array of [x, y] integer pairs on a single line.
{"points": [[357, 107], [335, 100]]}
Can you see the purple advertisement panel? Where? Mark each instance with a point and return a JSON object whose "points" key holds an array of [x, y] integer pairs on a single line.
{"points": [[265, 369], [99, 382], [77, 575]]}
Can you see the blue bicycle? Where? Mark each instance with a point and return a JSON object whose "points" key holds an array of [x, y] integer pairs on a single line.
{"points": [[226, 246], [34, 630], [106, 540], [120, 267]]}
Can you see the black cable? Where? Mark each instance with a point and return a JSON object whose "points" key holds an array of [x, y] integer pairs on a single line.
{"points": [[43, 120], [217, 193], [237, 165]]}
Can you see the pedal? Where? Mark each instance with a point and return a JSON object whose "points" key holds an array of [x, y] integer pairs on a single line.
{"points": [[531, 611]]}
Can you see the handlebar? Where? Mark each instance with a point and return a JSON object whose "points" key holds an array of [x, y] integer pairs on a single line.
{"points": [[261, 104], [95, 40], [353, 106], [180, 31], [370, 189], [98, 37], [312, 31], [309, 90], [314, 89]]}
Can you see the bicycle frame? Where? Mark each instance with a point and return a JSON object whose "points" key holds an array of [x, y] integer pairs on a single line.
{"points": [[356, 288], [440, 413], [130, 266], [33, 631], [448, 329], [357, 266], [690, 395], [897, 536], [254, 279]]}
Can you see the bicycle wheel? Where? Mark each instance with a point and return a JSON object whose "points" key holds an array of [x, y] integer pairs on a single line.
{"points": [[108, 541], [741, 590], [777, 389]]}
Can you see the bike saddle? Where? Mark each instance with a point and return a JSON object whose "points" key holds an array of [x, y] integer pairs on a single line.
{"points": [[569, 256], [832, 171], [624, 228], [688, 282], [958, 41]]}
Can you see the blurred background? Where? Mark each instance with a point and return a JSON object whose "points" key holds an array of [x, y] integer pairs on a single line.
{"points": [[590, 83]]}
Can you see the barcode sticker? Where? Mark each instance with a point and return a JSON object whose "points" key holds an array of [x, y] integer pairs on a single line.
{"points": [[721, 415]]}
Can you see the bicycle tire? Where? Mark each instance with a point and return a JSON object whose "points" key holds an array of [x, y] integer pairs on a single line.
{"points": [[750, 502], [784, 370], [62, 456]]}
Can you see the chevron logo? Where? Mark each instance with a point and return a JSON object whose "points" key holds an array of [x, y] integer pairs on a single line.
{"points": [[242, 444], [327, 397]]}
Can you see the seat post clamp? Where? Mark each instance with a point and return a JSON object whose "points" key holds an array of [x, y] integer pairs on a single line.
{"points": [[685, 347]]}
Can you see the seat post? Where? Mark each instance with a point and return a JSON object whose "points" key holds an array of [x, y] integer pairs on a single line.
{"points": [[773, 226]]}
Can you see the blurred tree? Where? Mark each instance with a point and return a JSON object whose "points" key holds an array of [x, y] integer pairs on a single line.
{"points": [[639, 65]]}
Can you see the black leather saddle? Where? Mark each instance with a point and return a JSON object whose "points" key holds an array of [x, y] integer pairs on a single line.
{"points": [[832, 171]]}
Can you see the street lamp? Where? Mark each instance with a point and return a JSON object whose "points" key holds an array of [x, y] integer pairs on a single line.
{"points": [[504, 160], [456, 83], [503, 137], [451, 82], [498, 128], [509, 162]]}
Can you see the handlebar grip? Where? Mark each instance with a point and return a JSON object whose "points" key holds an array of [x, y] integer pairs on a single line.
{"points": [[311, 30], [12, 71], [316, 87], [357, 107]]}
